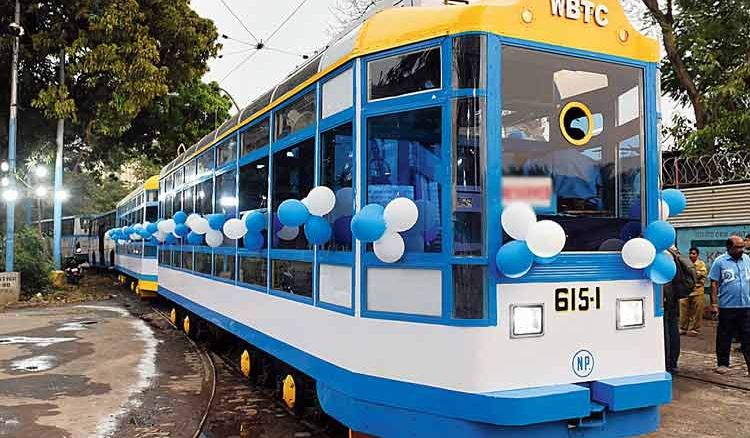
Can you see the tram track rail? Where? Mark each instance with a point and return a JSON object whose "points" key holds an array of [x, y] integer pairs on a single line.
{"points": [[206, 356]]}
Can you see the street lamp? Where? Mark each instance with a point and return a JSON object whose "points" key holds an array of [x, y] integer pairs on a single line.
{"points": [[41, 191], [4, 166], [41, 172], [10, 195]]}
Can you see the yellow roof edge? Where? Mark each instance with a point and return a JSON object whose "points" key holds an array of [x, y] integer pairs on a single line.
{"points": [[397, 27], [152, 183]]}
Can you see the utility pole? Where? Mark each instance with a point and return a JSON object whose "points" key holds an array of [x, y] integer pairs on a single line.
{"points": [[57, 195], [11, 204]]}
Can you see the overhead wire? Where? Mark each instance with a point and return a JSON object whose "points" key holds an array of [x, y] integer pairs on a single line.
{"points": [[286, 52], [239, 20], [289, 17], [236, 67]]}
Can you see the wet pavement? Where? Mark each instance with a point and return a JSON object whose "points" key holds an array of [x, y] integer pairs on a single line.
{"points": [[71, 371]]}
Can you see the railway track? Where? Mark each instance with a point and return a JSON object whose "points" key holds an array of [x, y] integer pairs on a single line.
{"points": [[207, 359]]}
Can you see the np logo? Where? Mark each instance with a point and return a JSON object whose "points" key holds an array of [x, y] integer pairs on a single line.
{"points": [[583, 363]]}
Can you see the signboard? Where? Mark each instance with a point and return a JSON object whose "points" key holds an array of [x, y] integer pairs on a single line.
{"points": [[710, 241], [10, 287]]}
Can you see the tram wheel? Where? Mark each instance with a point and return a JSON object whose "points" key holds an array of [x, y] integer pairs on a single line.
{"points": [[246, 364], [173, 316], [186, 325], [289, 392]]}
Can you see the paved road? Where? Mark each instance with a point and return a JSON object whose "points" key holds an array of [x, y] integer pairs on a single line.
{"points": [[71, 371]]}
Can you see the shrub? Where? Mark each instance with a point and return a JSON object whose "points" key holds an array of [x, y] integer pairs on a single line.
{"points": [[32, 260]]}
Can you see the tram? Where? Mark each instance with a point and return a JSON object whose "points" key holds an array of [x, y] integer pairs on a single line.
{"points": [[458, 109], [136, 259], [74, 240], [101, 249]]}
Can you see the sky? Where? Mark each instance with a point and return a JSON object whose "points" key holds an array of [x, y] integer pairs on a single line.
{"points": [[305, 32]]}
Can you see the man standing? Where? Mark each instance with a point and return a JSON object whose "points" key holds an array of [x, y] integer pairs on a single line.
{"points": [[730, 283], [691, 308], [747, 244]]}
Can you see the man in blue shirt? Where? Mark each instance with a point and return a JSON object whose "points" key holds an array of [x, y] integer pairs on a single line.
{"points": [[730, 281]]}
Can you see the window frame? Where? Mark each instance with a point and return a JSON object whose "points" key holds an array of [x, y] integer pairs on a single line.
{"points": [[407, 50]]}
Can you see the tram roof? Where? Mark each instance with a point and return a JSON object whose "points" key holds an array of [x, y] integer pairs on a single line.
{"points": [[529, 20], [152, 183]]}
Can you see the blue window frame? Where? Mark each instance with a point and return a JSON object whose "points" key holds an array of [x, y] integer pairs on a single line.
{"points": [[226, 151]]}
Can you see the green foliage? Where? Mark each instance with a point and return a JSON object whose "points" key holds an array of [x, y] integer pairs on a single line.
{"points": [[122, 59], [31, 258], [712, 41]]}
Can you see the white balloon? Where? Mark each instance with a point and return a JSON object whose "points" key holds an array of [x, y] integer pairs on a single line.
{"points": [[517, 219], [167, 226], [320, 201], [122, 242], [400, 214], [161, 237], [135, 236], [191, 219], [546, 239], [288, 233], [234, 228], [638, 253], [214, 238], [177, 236], [200, 225], [389, 248], [138, 227], [664, 212], [306, 203]]}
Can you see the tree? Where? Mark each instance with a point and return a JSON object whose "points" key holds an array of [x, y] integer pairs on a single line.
{"points": [[121, 57], [708, 68]]}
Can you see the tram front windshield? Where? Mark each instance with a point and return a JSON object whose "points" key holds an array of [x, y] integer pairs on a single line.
{"points": [[575, 126]]}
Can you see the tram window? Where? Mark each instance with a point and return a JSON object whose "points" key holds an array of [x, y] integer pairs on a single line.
{"points": [[338, 94], [254, 185], [336, 164], [151, 213], [592, 165], [253, 271], [190, 171], [168, 210], [403, 74], [469, 61], [205, 163], [149, 251], [187, 259], [203, 262], [296, 116], [151, 196], [204, 195], [224, 266], [177, 259], [226, 199], [293, 178], [292, 276], [177, 202], [404, 159], [256, 137], [179, 177], [169, 184], [468, 176], [226, 152], [67, 227], [469, 291], [187, 200]]}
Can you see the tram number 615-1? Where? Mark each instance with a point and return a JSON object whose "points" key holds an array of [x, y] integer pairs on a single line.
{"points": [[577, 299]]}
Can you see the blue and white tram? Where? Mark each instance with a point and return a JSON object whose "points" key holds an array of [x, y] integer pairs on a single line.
{"points": [[459, 109], [102, 249], [136, 259]]}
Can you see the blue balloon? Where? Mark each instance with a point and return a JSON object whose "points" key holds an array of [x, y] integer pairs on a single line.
{"points": [[317, 230], [663, 269], [253, 240], [194, 238], [676, 201], [180, 217], [152, 227], [129, 231], [368, 224], [216, 220], [546, 261], [342, 231], [182, 230], [144, 233], [170, 239], [293, 213], [514, 259], [661, 234], [255, 221]]}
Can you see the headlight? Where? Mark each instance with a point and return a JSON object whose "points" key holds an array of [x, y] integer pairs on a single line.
{"points": [[526, 320], [630, 313]]}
